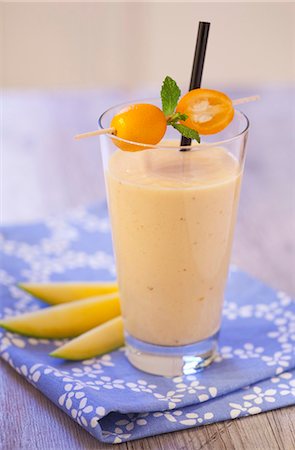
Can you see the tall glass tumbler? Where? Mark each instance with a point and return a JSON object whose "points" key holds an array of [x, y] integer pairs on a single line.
{"points": [[173, 212]]}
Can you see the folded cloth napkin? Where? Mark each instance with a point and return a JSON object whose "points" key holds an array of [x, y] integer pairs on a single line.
{"points": [[254, 372]]}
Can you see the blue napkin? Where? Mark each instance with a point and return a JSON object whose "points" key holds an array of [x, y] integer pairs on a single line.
{"points": [[254, 372]]}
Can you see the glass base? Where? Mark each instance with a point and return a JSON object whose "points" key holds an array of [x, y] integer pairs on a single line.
{"points": [[171, 361]]}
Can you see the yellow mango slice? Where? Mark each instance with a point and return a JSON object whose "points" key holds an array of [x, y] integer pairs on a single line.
{"points": [[62, 292], [99, 340], [67, 320]]}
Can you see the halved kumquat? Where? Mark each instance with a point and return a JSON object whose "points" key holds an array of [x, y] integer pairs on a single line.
{"points": [[208, 111]]}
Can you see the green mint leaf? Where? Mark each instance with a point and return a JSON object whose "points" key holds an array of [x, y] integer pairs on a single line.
{"points": [[182, 116], [170, 94], [187, 132], [176, 117]]}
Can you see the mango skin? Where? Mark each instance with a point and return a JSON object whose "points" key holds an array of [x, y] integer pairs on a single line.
{"points": [[67, 291], [102, 339], [66, 320]]}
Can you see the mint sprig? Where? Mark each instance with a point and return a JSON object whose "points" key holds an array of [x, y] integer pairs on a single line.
{"points": [[176, 117], [187, 132], [170, 94]]}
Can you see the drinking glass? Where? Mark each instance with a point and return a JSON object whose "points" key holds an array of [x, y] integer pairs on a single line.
{"points": [[173, 211]]}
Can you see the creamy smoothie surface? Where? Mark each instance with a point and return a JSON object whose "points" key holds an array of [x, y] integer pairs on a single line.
{"points": [[173, 216]]}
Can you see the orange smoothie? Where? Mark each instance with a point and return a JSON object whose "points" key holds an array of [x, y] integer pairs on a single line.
{"points": [[173, 215]]}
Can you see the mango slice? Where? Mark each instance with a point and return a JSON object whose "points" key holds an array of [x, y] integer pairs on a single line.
{"points": [[67, 320], [99, 340], [62, 292]]}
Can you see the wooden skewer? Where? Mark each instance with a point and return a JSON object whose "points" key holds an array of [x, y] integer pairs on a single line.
{"points": [[238, 101], [94, 133]]}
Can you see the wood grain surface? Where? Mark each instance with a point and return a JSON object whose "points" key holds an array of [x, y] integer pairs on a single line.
{"points": [[44, 171]]}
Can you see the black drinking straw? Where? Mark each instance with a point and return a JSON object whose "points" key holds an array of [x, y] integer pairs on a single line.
{"points": [[198, 65]]}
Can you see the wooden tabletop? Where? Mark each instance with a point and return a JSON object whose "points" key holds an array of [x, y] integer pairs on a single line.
{"points": [[45, 171]]}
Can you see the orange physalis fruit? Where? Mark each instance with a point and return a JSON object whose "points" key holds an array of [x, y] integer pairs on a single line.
{"points": [[143, 122], [208, 111]]}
